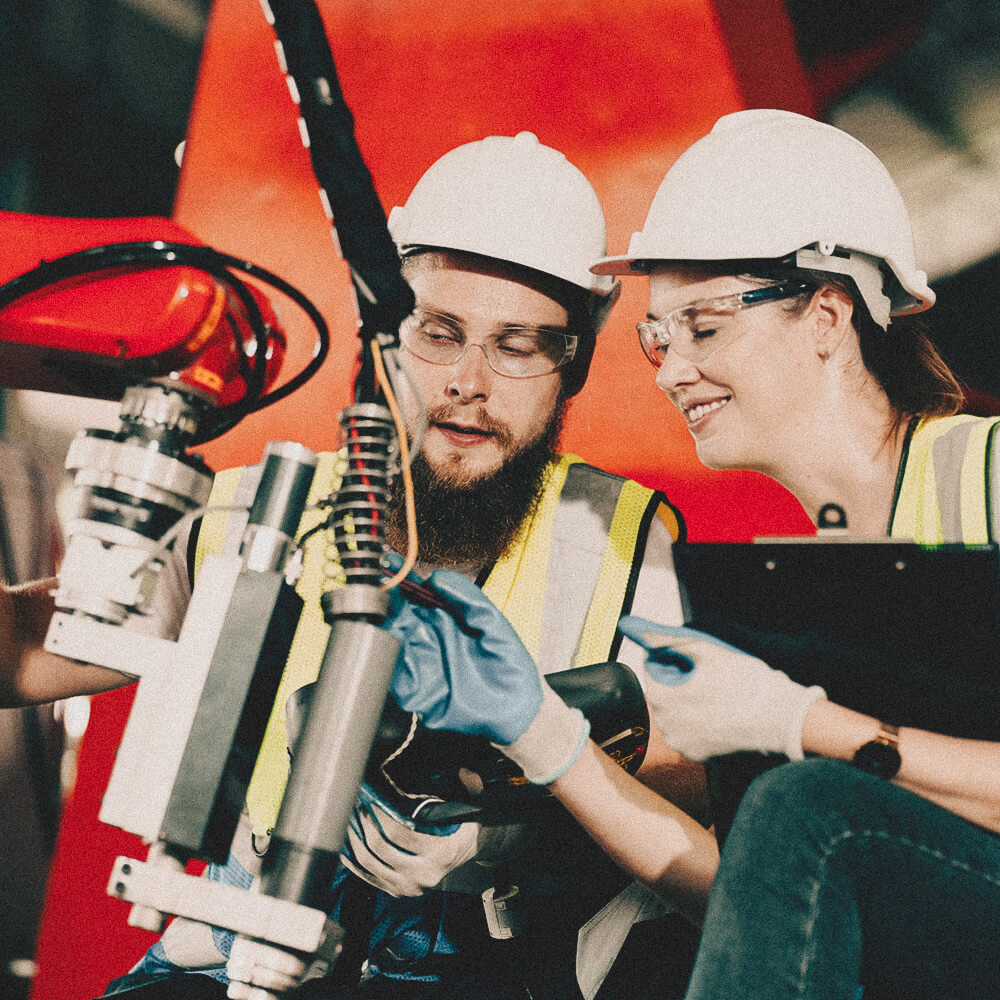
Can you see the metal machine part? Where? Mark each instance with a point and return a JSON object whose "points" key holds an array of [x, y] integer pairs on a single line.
{"points": [[129, 491], [238, 622], [277, 508], [330, 761], [255, 914], [333, 746], [220, 692], [438, 778], [359, 511]]}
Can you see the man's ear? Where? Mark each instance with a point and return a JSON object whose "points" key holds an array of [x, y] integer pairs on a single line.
{"points": [[833, 312]]}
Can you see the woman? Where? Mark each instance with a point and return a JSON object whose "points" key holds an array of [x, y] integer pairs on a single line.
{"points": [[778, 249]]}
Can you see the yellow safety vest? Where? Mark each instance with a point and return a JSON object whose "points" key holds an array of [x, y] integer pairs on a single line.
{"points": [[946, 484], [604, 546]]}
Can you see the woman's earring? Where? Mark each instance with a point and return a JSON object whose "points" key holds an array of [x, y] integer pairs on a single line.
{"points": [[824, 353]]}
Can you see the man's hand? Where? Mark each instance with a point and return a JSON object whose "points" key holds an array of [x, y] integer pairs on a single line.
{"points": [[260, 971], [10, 637], [28, 674], [463, 668], [709, 698], [395, 854]]}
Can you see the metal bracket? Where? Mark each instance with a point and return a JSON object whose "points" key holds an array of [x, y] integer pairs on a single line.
{"points": [[252, 914]]}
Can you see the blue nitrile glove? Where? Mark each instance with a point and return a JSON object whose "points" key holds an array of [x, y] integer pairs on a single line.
{"points": [[396, 854], [462, 667], [709, 698]]}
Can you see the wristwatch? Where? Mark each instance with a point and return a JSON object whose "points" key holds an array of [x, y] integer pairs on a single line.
{"points": [[880, 756]]}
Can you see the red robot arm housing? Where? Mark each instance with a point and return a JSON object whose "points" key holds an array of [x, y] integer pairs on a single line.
{"points": [[96, 333]]}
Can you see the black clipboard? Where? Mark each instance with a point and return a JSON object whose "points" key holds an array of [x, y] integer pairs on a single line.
{"points": [[907, 633]]}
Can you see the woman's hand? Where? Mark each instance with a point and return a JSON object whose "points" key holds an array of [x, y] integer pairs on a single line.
{"points": [[709, 698]]}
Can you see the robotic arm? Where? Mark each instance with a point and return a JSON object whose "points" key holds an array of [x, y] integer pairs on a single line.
{"points": [[91, 307], [170, 328], [138, 310]]}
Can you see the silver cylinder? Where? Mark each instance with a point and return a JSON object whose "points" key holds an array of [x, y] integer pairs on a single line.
{"points": [[288, 472], [331, 754]]}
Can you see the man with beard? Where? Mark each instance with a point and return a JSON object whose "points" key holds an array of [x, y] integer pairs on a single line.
{"points": [[496, 240]]}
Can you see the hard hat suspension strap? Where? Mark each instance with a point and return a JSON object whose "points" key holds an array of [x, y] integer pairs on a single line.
{"points": [[864, 270]]}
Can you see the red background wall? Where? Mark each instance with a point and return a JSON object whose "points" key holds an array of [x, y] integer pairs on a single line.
{"points": [[620, 86]]}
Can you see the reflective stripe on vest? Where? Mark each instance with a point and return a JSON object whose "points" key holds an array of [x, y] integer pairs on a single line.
{"points": [[945, 495], [585, 545]]}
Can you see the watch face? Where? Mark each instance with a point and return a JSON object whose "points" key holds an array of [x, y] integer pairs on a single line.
{"points": [[879, 759]]}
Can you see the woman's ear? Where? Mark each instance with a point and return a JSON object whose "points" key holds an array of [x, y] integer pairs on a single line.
{"points": [[833, 313]]}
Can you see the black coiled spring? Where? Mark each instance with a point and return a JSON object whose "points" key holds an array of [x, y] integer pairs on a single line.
{"points": [[358, 518]]}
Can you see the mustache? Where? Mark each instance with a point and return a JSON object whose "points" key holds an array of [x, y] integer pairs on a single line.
{"points": [[449, 413]]}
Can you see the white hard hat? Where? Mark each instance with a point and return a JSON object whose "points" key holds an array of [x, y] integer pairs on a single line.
{"points": [[512, 199], [772, 184]]}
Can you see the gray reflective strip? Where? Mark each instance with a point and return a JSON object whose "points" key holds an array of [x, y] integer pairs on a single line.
{"points": [[947, 455], [246, 490], [579, 540], [993, 483], [601, 938]]}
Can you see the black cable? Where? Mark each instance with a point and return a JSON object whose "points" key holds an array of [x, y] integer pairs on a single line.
{"points": [[384, 298], [158, 253]]}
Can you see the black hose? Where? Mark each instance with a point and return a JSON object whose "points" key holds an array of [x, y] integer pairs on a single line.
{"points": [[384, 297]]}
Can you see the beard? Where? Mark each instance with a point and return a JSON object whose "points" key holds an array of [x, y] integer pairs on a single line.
{"points": [[463, 522]]}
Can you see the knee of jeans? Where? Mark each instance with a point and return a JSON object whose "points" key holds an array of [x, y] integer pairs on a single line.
{"points": [[806, 795]]}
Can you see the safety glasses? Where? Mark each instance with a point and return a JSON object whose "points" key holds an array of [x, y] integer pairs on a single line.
{"points": [[696, 331], [517, 352]]}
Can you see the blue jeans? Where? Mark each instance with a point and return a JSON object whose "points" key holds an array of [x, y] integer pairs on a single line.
{"points": [[831, 877]]}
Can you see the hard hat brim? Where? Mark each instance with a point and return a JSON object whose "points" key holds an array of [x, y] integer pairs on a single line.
{"points": [[915, 297], [622, 264]]}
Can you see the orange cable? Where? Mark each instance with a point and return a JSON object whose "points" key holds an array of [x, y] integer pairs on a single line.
{"points": [[404, 460]]}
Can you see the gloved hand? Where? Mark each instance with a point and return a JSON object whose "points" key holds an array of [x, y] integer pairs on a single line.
{"points": [[398, 856], [709, 698], [462, 667], [260, 971]]}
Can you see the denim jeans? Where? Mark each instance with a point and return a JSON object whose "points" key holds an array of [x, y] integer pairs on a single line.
{"points": [[831, 877]]}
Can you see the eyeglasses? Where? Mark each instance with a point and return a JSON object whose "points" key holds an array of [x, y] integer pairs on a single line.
{"points": [[696, 331], [517, 352]]}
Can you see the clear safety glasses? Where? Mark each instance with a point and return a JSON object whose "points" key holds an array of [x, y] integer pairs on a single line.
{"points": [[696, 331], [516, 352]]}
